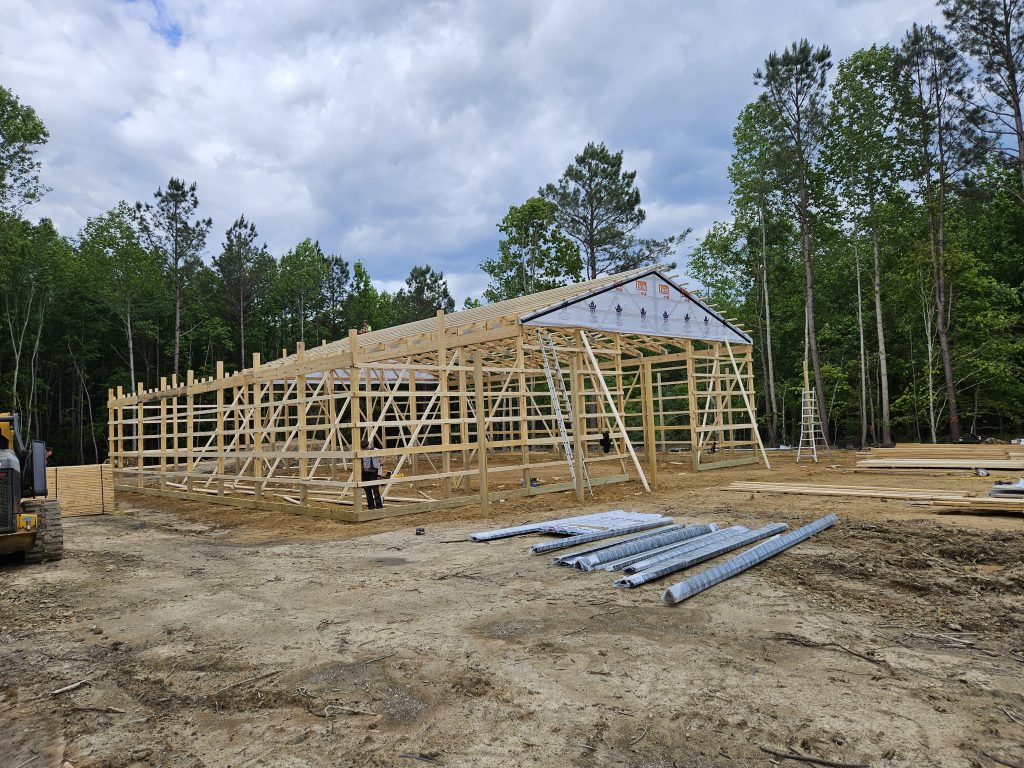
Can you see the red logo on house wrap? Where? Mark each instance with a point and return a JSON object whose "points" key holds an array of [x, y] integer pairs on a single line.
{"points": [[641, 285], [663, 290], [618, 288]]}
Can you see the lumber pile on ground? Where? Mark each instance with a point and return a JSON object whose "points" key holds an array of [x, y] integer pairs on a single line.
{"points": [[965, 501], [87, 489], [955, 456]]}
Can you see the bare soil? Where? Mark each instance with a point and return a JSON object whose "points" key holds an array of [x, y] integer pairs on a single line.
{"points": [[211, 636]]}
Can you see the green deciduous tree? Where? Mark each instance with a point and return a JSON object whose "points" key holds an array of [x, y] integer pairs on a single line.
{"points": [[21, 135], [867, 150], [300, 286], [33, 260], [533, 254], [126, 275]]}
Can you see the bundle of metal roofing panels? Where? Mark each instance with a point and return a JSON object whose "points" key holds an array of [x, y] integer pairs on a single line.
{"points": [[709, 552], [616, 519], [718, 573], [587, 538], [629, 550], [652, 554], [570, 558]]}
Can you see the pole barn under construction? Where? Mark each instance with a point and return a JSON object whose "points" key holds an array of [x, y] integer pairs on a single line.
{"points": [[562, 390]]}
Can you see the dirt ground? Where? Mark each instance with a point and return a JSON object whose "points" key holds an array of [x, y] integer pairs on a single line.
{"points": [[210, 636]]}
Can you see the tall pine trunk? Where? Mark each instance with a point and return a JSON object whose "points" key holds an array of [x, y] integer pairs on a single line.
{"points": [[941, 288], [883, 364], [812, 330], [773, 411], [863, 361]]}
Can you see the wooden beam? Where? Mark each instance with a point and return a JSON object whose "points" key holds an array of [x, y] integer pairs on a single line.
{"points": [[647, 411]]}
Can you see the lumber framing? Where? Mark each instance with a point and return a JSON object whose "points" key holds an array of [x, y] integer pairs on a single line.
{"points": [[456, 408]]}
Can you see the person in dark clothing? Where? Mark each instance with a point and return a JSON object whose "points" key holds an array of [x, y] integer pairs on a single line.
{"points": [[371, 471], [606, 441]]}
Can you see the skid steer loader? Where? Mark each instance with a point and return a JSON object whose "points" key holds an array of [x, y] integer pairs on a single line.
{"points": [[29, 522]]}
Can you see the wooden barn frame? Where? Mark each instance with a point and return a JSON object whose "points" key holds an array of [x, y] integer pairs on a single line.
{"points": [[562, 390]]}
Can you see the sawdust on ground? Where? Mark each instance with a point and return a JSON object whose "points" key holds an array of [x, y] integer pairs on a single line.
{"points": [[211, 636]]}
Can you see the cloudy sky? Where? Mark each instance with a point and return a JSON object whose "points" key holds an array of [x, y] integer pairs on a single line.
{"points": [[399, 132]]}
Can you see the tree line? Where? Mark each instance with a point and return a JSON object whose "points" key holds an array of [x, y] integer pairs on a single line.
{"points": [[877, 232], [144, 292]]}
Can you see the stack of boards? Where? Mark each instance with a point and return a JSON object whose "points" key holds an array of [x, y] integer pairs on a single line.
{"points": [[969, 456]]}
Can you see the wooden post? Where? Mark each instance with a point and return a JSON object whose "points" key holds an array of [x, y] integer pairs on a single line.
{"points": [[661, 410], [258, 428], [220, 418], [414, 459], [355, 409], [140, 427], [481, 431], [446, 427], [524, 422], [163, 431], [190, 378], [174, 426], [691, 404], [647, 409], [114, 427], [300, 399], [578, 420], [464, 418], [332, 417]]}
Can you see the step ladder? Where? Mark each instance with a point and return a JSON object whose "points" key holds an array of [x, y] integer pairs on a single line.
{"points": [[561, 404], [811, 430]]}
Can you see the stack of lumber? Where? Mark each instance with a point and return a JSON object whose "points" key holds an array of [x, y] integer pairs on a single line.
{"points": [[82, 490], [965, 501], [957, 456]]}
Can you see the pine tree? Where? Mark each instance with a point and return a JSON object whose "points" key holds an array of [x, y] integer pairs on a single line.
{"points": [[794, 88]]}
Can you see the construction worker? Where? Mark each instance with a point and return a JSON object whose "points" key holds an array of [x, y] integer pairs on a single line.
{"points": [[371, 471]]}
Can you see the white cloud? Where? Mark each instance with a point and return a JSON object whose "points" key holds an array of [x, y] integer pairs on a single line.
{"points": [[397, 132]]}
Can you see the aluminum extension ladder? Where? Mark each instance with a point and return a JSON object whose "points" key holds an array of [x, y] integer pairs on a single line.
{"points": [[811, 431], [560, 403]]}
